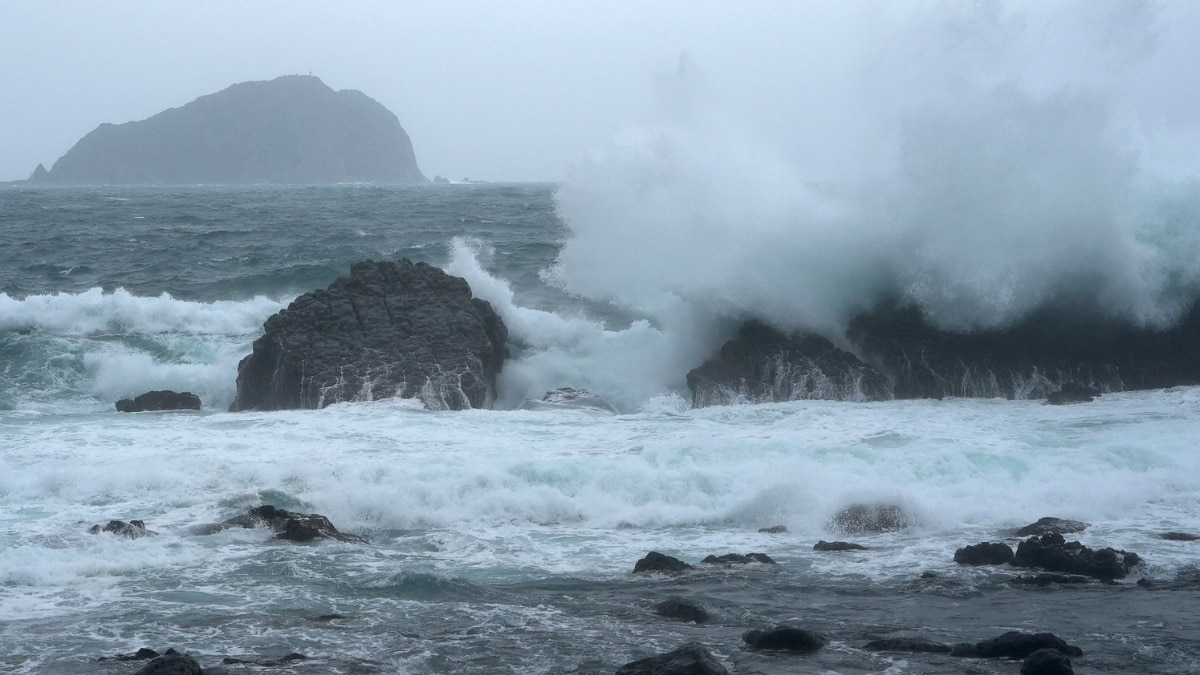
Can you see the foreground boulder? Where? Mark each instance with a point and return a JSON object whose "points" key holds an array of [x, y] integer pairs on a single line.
{"points": [[692, 658], [784, 638], [984, 553], [1052, 553], [861, 518], [288, 525], [159, 400], [1014, 645], [763, 365], [389, 329]]}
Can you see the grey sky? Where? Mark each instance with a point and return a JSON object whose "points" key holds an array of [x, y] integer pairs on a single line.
{"points": [[521, 90]]}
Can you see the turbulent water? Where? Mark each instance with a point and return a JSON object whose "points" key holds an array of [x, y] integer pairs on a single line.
{"points": [[503, 540]]}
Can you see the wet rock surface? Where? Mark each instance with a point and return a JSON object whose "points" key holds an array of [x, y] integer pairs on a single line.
{"points": [[863, 518], [1052, 553], [834, 546], [683, 610], [658, 562], [134, 529], [784, 638], [1014, 645], [289, 526], [159, 401], [692, 658], [984, 553], [1051, 525]]}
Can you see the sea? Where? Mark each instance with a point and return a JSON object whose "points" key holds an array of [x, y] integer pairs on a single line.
{"points": [[503, 540]]}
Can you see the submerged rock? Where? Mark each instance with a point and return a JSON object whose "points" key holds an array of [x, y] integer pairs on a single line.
{"points": [[1054, 554], [389, 329], [784, 638], [823, 545], [572, 399], [763, 365], [738, 559], [142, 654], [1053, 579], [267, 663], [288, 525], [692, 658], [1072, 392], [658, 562], [861, 518], [1047, 662], [984, 553], [1179, 536], [683, 610], [172, 663], [1049, 524], [158, 401], [1014, 645], [134, 529], [902, 644], [774, 529]]}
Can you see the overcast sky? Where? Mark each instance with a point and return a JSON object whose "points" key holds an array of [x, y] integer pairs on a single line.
{"points": [[520, 90]]}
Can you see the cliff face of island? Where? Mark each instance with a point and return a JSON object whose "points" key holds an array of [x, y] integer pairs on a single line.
{"points": [[290, 130]]}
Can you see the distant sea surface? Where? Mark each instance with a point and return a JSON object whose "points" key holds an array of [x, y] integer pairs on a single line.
{"points": [[503, 541]]}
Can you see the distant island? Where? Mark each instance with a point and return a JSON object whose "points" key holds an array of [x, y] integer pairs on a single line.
{"points": [[291, 130]]}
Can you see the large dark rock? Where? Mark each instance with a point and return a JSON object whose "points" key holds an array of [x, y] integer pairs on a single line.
{"points": [[160, 400], [1052, 553], [172, 663], [388, 329], [861, 518], [683, 610], [784, 638], [1050, 524], [658, 562], [1014, 645], [692, 658], [763, 365], [1031, 359], [292, 129], [984, 553], [1179, 536], [288, 525], [1047, 662]]}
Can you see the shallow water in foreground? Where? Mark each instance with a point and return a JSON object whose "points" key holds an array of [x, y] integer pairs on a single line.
{"points": [[504, 541]]}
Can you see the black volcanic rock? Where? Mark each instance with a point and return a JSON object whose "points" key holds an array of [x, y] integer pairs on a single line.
{"points": [[683, 610], [388, 329], [692, 658], [290, 526], [658, 562], [823, 545], [158, 401], [1050, 524], [290, 130], [984, 553], [172, 663], [784, 638], [738, 559], [1014, 645], [1047, 662], [1052, 553], [134, 529], [764, 365], [913, 645], [1029, 360]]}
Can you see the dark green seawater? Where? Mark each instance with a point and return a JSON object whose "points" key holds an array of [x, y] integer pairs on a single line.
{"points": [[502, 541]]}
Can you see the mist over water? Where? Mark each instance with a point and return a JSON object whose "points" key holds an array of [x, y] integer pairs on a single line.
{"points": [[967, 163]]}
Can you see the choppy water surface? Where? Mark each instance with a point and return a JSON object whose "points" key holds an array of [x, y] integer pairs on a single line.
{"points": [[503, 540]]}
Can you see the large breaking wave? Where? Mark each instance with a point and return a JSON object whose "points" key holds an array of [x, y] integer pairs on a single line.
{"points": [[988, 162]]}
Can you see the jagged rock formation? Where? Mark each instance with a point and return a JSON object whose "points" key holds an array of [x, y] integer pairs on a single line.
{"points": [[290, 130], [765, 365], [389, 329], [898, 354], [159, 401]]}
